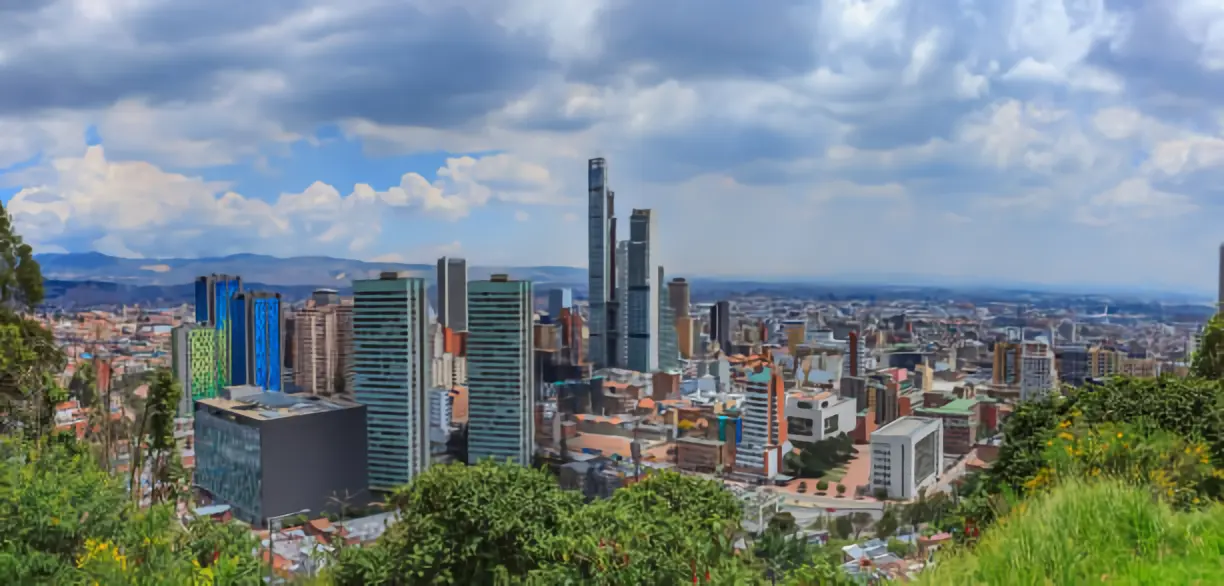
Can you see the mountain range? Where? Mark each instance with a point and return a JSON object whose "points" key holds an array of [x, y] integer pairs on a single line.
{"points": [[91, 278]]}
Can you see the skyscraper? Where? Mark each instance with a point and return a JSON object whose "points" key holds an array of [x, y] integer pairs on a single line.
{"points": [[620, 358], [678, 297], [598, 261], [669, 344], [452, 293], [213, 294], [256, 343], [391, 361], [501, 385], [720, 324], [193, 349], [322, 360], [1220, 298], [643, 293], [559, 299]]}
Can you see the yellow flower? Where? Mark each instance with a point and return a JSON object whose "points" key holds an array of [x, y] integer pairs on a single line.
{"points": [[1195, 501], [1066, 436], [1119, 435], [1064, 424], [1050, 443]]}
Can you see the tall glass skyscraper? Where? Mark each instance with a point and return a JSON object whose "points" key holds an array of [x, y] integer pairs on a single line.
{"points": [[391, 362], [501, 381], [598, 253], [213, 294], [452, 293], [644, 293], [256, 342]]}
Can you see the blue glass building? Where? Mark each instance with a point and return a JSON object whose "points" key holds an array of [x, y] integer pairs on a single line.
{"points": [[256, 352]]}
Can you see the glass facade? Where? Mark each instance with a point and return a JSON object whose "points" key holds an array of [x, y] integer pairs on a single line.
{"points": [[228, 463], [597, 260], [926, 461], [501, 390], [391, 365]]}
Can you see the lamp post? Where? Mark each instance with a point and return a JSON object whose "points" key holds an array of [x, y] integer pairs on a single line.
{"points": [[272, 522]]}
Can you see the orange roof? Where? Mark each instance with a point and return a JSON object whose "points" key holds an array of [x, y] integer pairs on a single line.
{"points": [[646, 404]]}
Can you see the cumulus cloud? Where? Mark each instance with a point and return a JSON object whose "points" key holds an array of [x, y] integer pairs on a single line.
{"points": [[136, 209], [1075, 115]]}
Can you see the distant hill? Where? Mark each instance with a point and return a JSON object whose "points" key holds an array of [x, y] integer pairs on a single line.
{"points": [[313, 271], [95, 279]]}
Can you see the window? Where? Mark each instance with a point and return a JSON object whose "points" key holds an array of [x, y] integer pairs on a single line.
{"points": [[799, 425], [804, 405], [830, 424]]}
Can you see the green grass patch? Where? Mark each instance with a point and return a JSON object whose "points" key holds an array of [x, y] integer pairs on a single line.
{"points": [[1104, 532]]}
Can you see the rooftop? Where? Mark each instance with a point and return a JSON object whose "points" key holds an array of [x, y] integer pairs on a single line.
{"points": [[956, 407], [905, 426], [268, 406]]}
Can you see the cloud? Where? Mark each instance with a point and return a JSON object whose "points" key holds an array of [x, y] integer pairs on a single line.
{"points": [[1073, 119], [521, 216], [135, 209]]}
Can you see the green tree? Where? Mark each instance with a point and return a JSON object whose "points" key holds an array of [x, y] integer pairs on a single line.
{"points": [[843, 527], [822, 485], [21, 284], [154, 443], [841, 489], [783, 522], [1208, 361], [67, 521], [861, 521], [887, 525]]}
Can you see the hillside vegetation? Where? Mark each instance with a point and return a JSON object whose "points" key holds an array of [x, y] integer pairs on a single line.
{"points": [[1081, 533]]}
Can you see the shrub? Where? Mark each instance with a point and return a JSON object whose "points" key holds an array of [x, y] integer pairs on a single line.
{"points": [[822, 486]]}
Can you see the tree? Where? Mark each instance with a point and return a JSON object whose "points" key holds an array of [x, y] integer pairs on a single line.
{"points": [[157, 425], [21, 284], [783, 522], [67, 521], [861, 521], [802, 487], [501, 524], [822, 486], [1208, 361], [843, 527], [841, 489], [887, 525]]}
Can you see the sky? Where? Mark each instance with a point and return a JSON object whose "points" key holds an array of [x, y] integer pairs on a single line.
{"points": [[1041, 141]]}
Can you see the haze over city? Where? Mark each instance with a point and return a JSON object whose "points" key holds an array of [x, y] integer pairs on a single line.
{"points": [[993, 141]]}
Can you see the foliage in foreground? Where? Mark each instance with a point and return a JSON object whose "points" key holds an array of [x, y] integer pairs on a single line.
{"points": [[1165, 417], [504, 524], [1085, 533], [64, 520]]}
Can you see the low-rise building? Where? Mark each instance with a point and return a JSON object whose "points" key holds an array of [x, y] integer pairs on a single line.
{"points": [[269, 454], [812, 417], [906, 455], [710, 456], [960, 423]]}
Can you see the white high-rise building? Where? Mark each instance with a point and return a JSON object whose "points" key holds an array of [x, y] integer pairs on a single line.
{"points": [[391, 364], [1038, 375], [644, 293]]}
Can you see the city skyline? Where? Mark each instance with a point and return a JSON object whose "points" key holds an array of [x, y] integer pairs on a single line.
{"points": [[985, 147]]}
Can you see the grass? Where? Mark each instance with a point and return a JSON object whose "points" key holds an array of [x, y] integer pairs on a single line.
{"points": [[1092, 534]]}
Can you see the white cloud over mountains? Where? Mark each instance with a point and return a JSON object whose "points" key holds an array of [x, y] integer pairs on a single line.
{"points": [[1084, 125]]}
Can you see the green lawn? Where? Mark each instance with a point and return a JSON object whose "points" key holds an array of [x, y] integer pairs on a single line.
{"points": [[1092, 534]]}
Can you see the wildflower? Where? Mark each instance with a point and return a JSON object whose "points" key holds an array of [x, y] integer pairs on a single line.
{"points": [[1119, 435], [1050, 442], [1066, 436]]}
